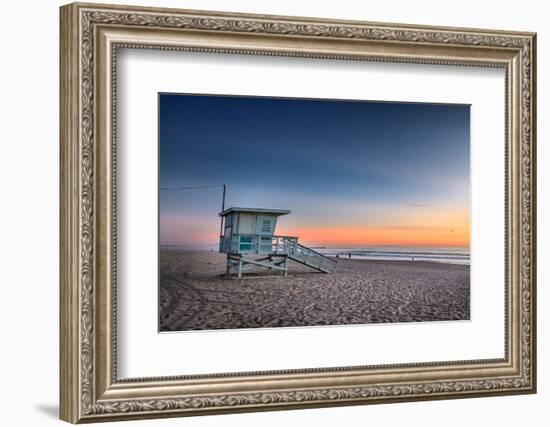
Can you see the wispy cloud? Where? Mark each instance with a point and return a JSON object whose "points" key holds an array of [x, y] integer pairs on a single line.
{"points": [[418, 205]]}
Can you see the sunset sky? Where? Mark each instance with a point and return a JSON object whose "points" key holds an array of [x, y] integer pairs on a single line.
{"points": [[354, 174]]}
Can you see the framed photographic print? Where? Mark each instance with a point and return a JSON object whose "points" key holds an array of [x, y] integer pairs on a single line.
{"points": [[359, 188], [264, 212]]}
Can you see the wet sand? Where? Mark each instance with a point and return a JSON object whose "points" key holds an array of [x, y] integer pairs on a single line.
{"points": [[195, 295]]}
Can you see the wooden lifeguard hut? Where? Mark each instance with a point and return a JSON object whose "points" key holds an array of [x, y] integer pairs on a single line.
{"points": [[248, 238]]}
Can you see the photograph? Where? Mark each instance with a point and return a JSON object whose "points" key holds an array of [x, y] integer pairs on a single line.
{"points": [[293, 212]]}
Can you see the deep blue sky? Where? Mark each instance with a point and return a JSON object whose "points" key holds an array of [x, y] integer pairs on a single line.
{"points": [[333, 163]]}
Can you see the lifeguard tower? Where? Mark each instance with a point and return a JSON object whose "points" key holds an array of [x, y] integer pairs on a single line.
{"points": [[250, 242]]}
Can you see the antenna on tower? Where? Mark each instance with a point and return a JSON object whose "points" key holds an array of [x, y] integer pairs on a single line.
{"points": [[223, 208]]}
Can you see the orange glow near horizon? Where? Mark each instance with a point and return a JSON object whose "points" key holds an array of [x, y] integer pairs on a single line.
{"points": [[443, 227], [382, 236]]}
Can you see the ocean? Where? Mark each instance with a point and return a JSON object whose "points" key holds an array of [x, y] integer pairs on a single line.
{"points": [[444, 255]]}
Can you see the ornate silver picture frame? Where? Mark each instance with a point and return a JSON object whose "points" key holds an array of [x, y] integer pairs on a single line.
{"points": [[91, 36]]}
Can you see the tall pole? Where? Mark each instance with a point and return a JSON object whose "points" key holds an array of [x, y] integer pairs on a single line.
{"points": [[223, 208]]}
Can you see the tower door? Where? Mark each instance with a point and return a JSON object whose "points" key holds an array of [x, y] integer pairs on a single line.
{"points": [[265, 227]]}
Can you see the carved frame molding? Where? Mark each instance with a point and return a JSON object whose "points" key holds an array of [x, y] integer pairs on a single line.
{"points": [[90, 36]]}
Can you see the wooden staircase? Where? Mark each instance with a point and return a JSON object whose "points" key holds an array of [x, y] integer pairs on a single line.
{"points": [[307, 256]]}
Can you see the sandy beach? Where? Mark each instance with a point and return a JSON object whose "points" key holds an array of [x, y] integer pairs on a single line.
{"points": [[195, 295]]}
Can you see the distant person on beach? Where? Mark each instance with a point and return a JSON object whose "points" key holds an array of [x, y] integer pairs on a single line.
{"points": [[349, 255]]}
